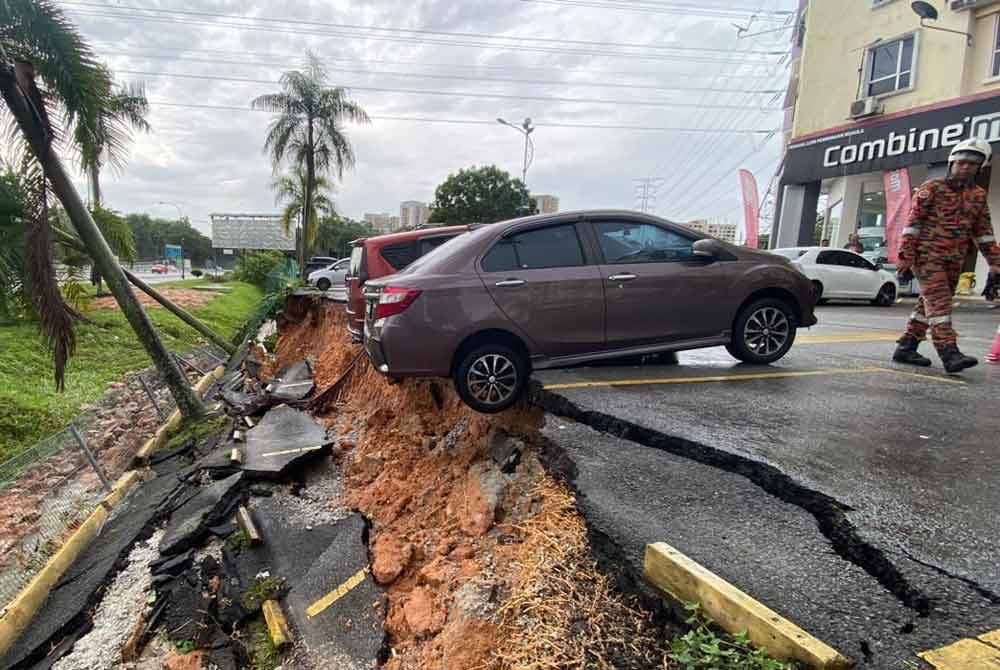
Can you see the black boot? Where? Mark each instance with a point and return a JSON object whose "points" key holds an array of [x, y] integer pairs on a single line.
{"points": [[955, 361], [906, 352]]}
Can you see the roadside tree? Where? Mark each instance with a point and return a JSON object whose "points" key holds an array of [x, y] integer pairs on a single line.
{"points": [[481, 195], [309, 131], [291, 190]]}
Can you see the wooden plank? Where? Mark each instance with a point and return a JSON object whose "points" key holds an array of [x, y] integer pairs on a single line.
{"points": [[735, 611], [277, 624], [247, 525], [993, 637], [236, 456]]}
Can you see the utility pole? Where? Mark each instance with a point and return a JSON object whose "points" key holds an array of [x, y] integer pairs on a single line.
{"points": [[25, 102], [525, 129]]}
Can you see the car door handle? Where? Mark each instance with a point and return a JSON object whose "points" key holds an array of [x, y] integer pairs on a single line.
{"points": [[506, 283], [625, 276]]}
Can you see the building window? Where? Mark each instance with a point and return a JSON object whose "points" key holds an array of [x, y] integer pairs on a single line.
{"points": [[890, 67], [995, 65]]}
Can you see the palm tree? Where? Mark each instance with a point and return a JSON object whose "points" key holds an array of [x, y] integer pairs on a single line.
{"points": [[37, 40], [292, 191], [309, 130], [106, 141]]}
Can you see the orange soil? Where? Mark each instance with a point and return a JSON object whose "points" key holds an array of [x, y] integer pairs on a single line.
{"points": [[182, 297], [416, 472]]}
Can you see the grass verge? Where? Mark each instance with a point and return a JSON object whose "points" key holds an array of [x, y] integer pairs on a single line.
{"points": [[30, 407]]}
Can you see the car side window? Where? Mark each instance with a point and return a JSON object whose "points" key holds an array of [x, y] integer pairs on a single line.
{"points": [[429, 244], [628, 242], [826, 258], [860, 262], [550, 247]]}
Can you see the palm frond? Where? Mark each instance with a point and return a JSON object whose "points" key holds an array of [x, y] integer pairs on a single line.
{"points": [[290, 216], [117, 232]]}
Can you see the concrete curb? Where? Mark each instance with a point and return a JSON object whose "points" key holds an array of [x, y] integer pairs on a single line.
{"points": [[22, 610], [686, 581], [155, 442]]}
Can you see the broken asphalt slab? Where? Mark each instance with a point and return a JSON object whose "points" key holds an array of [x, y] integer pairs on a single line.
{"points": [[210, 506], [284, 436], [346, 626], [65, 611], [293, 383], [633, 495]]}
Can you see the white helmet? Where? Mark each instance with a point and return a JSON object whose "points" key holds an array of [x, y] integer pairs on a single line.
{"points": [[971, 149]]}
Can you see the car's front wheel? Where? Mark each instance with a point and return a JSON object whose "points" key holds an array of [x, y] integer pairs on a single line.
{"points": [[323, 284], [764, 331], [886, 296], [491, 377]]}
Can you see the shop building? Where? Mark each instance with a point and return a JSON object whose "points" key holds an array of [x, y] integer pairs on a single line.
{"points": [[875, 104]]}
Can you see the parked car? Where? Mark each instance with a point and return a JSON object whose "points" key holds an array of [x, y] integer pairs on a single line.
{"points": [[375, 257], [319, 263], [160, 269], [576, 287], [838, 274], [332, 279]]}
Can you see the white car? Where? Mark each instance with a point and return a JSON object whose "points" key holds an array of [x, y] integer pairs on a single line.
{"points": [[838, 274], [331, 279]]}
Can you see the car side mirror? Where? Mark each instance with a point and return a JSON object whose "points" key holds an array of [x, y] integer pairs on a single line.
{"points": [[709, 250], [879, 266]]}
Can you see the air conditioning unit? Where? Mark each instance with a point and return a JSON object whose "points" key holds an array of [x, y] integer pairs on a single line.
{"points": [[865, 107]]}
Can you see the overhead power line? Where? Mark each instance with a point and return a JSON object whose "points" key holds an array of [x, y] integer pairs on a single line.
{"points": [[409, 40], [456, 94], [475, 122], [391, 30], [458, 66], [420, 75], [705, 11]]}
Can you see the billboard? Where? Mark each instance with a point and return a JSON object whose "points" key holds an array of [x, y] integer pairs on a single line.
{"points": [[250, 231]]}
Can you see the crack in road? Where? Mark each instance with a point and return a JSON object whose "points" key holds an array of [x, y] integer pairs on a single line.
{"points": [[986, 593], [830, 514]]}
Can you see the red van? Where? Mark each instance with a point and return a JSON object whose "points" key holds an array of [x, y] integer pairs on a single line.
{"points": [[375, 257]]}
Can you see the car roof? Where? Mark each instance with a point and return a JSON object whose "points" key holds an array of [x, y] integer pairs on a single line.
{"points": [[409, 235]]}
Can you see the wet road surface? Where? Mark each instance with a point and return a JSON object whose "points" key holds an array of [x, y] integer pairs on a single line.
{"points": [[854, 495]]}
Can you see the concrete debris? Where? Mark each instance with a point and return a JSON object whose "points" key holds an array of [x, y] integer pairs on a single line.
{"points": [[190, 522], [283, 437], [114, 621], [506, 451], [172, 565], [247, 525]]}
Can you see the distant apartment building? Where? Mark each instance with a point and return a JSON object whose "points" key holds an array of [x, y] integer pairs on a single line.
{"points": [[413, 214], [547, 204], [724, 231], [382, 222]]}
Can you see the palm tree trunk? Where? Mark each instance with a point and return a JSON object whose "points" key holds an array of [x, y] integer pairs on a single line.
{"points": [[95, 186], [307, 202], [187, 401]]}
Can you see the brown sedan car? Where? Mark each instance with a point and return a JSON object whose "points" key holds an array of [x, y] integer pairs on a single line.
{"points": [[489, 306]]}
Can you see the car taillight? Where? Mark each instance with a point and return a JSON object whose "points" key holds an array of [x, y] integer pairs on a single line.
{"points": [[394, 301]]}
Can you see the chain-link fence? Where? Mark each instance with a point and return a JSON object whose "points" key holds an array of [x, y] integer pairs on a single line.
{"points": [[48, 490]]}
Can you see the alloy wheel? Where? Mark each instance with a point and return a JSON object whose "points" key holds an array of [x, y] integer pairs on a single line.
{"points": [[492, 379], [886, 296], [767, 330]]}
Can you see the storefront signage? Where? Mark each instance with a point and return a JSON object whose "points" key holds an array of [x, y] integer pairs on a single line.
{"points": [[923, 137]]}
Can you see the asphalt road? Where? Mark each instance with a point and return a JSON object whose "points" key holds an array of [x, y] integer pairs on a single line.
{"points": [[856, 496]]}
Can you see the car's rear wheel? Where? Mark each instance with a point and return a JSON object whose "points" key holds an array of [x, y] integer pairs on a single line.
{"points": [[764, 331], [323, 284], [491, 377], [886, 296]]}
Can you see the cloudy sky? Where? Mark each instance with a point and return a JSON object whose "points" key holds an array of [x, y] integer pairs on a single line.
{"points": [[619, 91]]}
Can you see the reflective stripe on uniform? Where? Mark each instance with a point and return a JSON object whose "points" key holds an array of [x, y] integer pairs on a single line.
{"points": [[938, 320], [910, 231], [918, 317], [985, 238]]}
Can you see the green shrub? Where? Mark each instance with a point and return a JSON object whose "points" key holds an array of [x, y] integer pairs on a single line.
{"points": [[254, 267]]}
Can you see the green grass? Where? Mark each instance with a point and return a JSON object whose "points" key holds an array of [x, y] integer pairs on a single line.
{"points": [[30, 407]]}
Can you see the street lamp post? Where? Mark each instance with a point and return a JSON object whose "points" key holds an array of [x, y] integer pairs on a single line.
{"points": [[525, 129]]}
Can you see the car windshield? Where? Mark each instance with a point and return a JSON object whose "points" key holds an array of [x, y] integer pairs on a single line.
{"points": [[357, 254], [790, 253]]}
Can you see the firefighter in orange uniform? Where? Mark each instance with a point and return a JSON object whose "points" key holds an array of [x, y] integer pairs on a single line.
{"points": [[947, 217]]}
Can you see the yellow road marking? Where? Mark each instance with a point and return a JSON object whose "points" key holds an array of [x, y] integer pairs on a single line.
{"points": [[740, 378], [847, 338], [290, 451], [963, 655], [323, 603]]}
